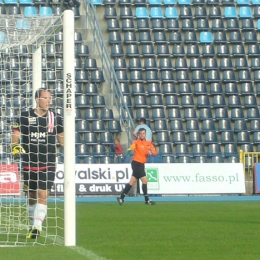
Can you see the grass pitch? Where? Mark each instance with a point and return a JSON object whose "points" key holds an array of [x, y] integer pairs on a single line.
{"points": [[166, 231]]}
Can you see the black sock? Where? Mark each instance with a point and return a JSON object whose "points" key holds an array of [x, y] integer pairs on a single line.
{"points": [[126, 190], [144, 188]]}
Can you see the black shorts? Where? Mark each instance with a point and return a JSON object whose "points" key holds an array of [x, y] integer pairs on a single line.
{"points": [[42, 179], [138, 169]]}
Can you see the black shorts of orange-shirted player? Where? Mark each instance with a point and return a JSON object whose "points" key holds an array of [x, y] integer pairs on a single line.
{"points": [[34, 140]]}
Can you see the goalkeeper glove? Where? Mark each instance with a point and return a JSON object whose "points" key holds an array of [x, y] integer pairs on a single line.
{"points": [[17, 150]]}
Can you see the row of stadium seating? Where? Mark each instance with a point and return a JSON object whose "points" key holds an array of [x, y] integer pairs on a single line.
{"points": [[170, 12], [176, 2]]}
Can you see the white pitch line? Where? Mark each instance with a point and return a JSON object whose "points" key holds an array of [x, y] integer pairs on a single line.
{"points": [[80, 250]]}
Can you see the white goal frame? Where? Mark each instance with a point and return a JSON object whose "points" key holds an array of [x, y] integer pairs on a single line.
{"points": [[44, 31]]}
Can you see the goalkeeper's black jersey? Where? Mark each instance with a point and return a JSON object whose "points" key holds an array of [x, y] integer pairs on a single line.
{"points": [[38, 137]]}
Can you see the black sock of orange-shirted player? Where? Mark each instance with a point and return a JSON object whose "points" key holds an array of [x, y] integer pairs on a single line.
{"points": [[126, 190], [144, 188]]}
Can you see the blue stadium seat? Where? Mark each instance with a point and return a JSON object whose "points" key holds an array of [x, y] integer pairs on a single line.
{"points": [[195, 138], [126, 12], [45, 11], [168, 159], [250, 101], [219, 101], [82, 126], [234, 101], [220, 38], [158, 113], [206, 37], [162, 137], [174, 113], [106, 138], [114, 126], [136, 76], [256, 138], [224, 125], [237, 113], [198, 149], [167, 76], [30, 11], [243, 137], [152, 76], [82, 150], [245, 12], [106, 114], [208, 125], [169, 2], [128, 24], [213, 76], [221, 113], [211, 63], [138, 89], [187, 101], [218, 25], [190, 113], [230, 12], [192, 125], [140, 101], [203, 101], [217, 159], [184, 158], [148, 50], [171, 12], [160, 125], [200, 89], [142, 113], [214, 149], [156, 101], [156, 12], [200, 12], [150, 64], [176, 125], [196, 64], [132, 50], [216, 88], [113, 24], [205, 113], [11, 2], [215, 12], [240, 125], [165, 64], [184, 2], [165, 149], [227, 137], [141, 12], [157, 24], [254, 125], [201, 159], [210, 137], [99, 150], [182, 149], [193, 50]]}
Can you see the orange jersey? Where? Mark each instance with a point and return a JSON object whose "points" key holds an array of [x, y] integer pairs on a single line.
{"points": [[141, 150]]}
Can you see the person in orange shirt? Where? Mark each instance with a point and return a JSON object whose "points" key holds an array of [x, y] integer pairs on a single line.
{"points": [[142, 149]]}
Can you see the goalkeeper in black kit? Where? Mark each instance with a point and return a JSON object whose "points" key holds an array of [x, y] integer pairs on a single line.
{"points": [[34, 139]]}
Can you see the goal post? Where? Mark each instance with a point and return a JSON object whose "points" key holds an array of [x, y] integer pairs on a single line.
{"points": [[69, 133], [28, 62]]}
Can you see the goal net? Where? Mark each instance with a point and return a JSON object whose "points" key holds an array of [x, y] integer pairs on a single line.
{"points": [[31, 51]]}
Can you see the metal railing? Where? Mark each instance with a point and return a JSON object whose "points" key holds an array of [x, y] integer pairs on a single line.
{"points": [[116, 96], [249, 159]]}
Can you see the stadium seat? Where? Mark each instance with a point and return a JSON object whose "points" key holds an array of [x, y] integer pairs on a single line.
{"points": [[201, 159], [192, 125], [148, 50], [215, 12], [198, 149], [245, 12], [217, 159], [240, 125], [168, 159], [254, 125], [160, 125], [206, 37], [117, 51], [30, 11], [234, 101], [98, 150], [141, 12], [82, 126], [230, 149], [237, 113], [221, 113], [165, 149], [214, 149], [156, 12], [184, 159], [162, 137], [156, 101], [106, 138], [205, 113], [250, 101], [219, 101], [190, 113], [158, 113], [182, 149], [230, 12], [196, 64], [172, 24], [203, 101], [174, 113], [210, 137], [142, 113], [171, 12], [200, 89], [176, 125], [45, 11], [224, 125], [208, 125], [227, 137]]}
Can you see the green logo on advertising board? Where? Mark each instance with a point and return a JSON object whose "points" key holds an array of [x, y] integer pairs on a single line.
{"points": [[153, 178]]}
